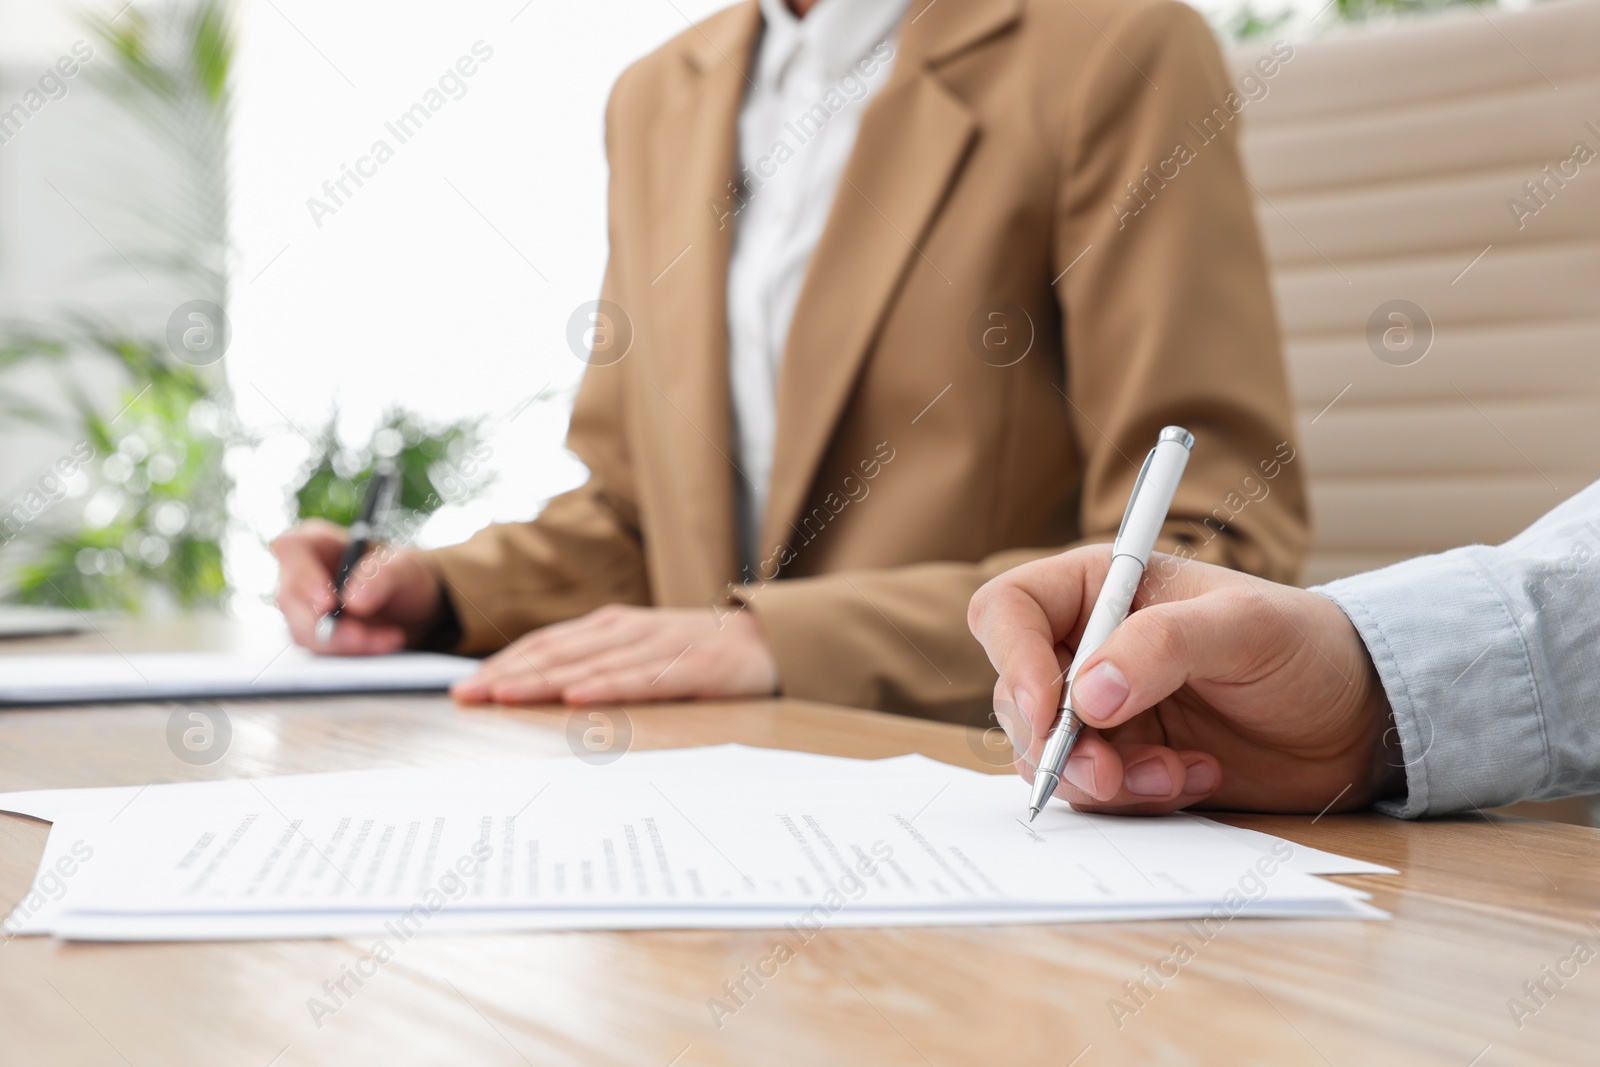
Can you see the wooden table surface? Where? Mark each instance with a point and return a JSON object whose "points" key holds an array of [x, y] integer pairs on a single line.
{"points": [[1481, 906]]}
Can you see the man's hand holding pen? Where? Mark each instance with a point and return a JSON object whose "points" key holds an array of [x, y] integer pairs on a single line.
{"points": [[1219, 690]]}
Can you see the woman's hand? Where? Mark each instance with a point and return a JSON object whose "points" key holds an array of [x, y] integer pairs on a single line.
{"points": [[619, 654]]}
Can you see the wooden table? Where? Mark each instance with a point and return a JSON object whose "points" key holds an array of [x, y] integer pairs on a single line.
{"points": [[1482, 905]]}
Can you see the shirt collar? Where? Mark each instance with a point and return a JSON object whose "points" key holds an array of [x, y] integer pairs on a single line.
{"points": [[833, 36]]}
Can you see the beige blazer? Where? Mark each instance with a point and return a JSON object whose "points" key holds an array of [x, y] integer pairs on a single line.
{"points": [[1022, 161]]}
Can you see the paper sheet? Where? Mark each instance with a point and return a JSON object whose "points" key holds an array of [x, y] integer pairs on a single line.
{"points": [[71, 679], [1306, 860], [724, 760], [79, 815], [682, 838], [727, 761], [28, 620]]}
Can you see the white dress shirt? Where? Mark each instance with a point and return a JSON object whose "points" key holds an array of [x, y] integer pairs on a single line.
{"points": [[812, 81]]}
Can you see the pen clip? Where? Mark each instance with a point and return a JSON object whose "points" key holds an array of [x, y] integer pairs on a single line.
{"points": [[1133, 497]]}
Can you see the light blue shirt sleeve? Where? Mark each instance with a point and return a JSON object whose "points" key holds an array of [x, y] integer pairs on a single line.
{"points": [[1490, 657]]}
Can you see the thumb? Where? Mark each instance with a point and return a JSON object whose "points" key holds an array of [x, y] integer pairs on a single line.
{"points": [[1156, 650]]}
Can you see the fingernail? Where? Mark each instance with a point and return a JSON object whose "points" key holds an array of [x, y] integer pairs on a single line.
{"points": [[1149, 778], [1201, 778], [1099, 691], [1080, 772]]}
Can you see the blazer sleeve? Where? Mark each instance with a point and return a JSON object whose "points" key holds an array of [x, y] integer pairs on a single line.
{"points": [[585, 549], [1168, 314], [1490, 658], [1168, 318]]}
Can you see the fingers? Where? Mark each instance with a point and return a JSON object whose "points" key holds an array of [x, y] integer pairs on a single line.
{"points": [[353, 636], [510, 676], [302, 606], [315, 542], [656, 679], [622, 653], [1161, 647], [372, 583], [307, 556], [536, 668], [1136, 779], [562, 643], [1019, 617], [727, 658], [530, 687], [1023, 616], [1018, 728], [542, 680]]}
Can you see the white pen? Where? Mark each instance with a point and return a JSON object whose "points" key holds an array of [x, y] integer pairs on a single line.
{"points": [[1147, 511]]}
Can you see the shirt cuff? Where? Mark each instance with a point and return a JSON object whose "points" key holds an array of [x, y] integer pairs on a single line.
{"points": [[1453, 662]]}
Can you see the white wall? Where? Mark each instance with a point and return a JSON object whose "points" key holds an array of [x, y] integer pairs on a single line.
{"points": [[407, 295]]}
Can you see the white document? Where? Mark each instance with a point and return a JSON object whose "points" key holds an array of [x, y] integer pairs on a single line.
{"points": [[1306, 860], [79, 815], [69, 850], [725, 837], [29, 620], [71, 679], [51, 805], [725, 761]]}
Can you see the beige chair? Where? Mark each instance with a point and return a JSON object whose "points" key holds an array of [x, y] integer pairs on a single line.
{"points": [[1385, 161]]}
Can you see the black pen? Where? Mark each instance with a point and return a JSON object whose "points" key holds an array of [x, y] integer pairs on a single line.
{"points": [[360, 539]]}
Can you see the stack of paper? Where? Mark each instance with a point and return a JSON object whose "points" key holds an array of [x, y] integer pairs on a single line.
{"points": [[66, 679], [714, 837]]}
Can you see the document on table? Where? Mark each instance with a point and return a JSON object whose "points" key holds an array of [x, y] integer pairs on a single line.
{"points": [[73, 679], [724, 761], [29, 620], [724, 837]]}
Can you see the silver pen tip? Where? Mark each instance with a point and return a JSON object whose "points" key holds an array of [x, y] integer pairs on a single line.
{"points": [[1033, 813], [325, 628]]}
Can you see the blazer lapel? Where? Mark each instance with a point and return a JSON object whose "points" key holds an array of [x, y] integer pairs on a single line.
{"points": [[913, 140], [684, 389]]}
